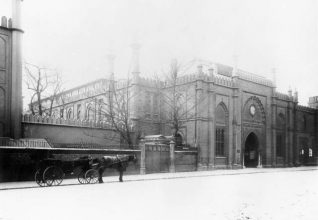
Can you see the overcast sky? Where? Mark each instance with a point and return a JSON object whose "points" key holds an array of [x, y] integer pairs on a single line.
{"points": [[75, 36]]}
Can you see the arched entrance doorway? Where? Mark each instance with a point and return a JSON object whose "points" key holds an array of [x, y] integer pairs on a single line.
{"points": [[251, 151]]}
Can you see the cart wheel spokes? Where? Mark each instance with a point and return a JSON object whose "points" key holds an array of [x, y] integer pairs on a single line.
{"points": [[53, 175], [81, 178], [39, 178], [91, 176]]}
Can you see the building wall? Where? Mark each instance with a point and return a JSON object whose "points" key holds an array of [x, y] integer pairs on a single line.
{"points": [[278, 121], [63, 135]]}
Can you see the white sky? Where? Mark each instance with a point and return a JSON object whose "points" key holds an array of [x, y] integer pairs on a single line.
{"points": [[75, 36]]}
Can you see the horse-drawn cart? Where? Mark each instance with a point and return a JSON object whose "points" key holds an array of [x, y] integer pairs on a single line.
{"points": [[51, 172]]}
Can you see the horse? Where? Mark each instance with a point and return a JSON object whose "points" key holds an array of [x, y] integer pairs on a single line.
{"points": [[118, 162]]}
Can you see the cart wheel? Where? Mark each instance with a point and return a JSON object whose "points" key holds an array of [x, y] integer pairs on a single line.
{"points": [[81, 177], [91, 176], [53, 176], [39, 178]]}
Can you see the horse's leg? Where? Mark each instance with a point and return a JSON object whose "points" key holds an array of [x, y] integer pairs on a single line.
{"points": [[121, 172], [100, 175]]}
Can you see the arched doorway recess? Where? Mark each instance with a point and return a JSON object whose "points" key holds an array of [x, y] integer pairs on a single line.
{"points": [[251, 151]]}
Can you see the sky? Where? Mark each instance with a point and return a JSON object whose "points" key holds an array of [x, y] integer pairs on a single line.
{"points": [[75, 37]]}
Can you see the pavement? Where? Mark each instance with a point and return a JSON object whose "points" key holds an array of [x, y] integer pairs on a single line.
{"points": [[161, 176]]}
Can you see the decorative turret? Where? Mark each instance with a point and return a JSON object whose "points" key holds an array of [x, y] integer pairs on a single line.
{"points": [[211, 72], [110, 63], [274, 76], [200, 70], [296, 95], [235, 66], [290, 92]]}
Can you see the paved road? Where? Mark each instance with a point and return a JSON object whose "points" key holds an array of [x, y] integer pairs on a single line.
{"points": [[252, 194]]}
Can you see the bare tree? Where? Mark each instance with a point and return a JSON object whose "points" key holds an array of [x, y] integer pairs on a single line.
{"points": [[113, 108], [56, 89], [179, 100], [44, 84]]}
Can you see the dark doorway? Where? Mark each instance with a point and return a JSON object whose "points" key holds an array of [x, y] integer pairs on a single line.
{"points": [[251, 151]]}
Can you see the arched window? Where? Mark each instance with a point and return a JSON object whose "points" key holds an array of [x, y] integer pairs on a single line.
{"points": [[220, 142], [78, 114], [69, 114], [61, 113], [89, 113], [221, 119]]}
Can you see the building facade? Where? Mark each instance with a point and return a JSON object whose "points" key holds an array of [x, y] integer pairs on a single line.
{"points": [[234, 118]]}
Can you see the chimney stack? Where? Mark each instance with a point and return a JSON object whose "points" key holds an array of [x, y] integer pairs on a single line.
{"points": [[16, 14], [135, 58], [110, 63]]}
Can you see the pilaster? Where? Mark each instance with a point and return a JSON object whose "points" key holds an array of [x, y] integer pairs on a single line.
{"points": [[212, 98], [200, 129], [238, 155], [274, 120]]}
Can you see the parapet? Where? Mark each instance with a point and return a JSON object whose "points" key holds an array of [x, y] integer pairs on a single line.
{"points": [[305, 109], [282, 96], [37, 119], [255, 78]]}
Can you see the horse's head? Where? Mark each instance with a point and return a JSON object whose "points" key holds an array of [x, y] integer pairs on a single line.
{"points": [[132, 158]]}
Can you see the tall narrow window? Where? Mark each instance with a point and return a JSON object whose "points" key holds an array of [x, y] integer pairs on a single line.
{"points": [[221, 119], [78, 113], [69, 114], [61, 113], [219, 134], [89, 113]]}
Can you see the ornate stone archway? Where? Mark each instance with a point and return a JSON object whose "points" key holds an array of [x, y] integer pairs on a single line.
{"points": [[253, 132]]}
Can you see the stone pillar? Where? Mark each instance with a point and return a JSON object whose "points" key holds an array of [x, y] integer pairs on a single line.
{"points": [[16, 98], [295, 138], [201, 127], [274, 115], [142, 145], [237, 130], [266, 152], [172, 168], [211, 94], [291, 135], [287, 138], [230, 133]]}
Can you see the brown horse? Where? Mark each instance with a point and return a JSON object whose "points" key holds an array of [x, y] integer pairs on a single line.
{"points": [[118, 162]]}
